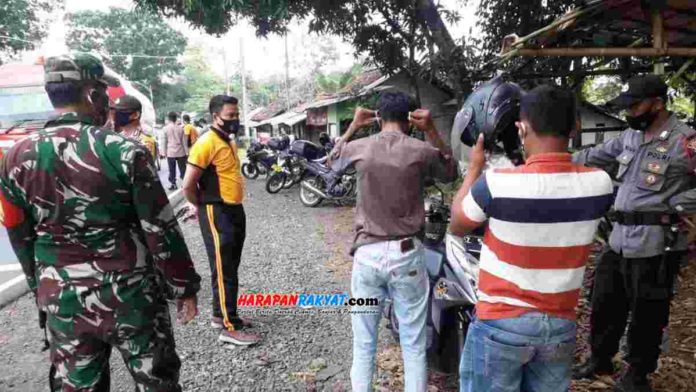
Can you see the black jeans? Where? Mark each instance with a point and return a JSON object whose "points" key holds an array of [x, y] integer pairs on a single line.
{"points": [[641, 286], [224, 231], [173, 162]]}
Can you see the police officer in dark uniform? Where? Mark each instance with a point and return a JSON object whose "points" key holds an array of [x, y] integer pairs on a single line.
{"points": [[657, 158]]}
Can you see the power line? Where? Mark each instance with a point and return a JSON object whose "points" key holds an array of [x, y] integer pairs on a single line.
{"points": [[18, 39], [106, 55]]}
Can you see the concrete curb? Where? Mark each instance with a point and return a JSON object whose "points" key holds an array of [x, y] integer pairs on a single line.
{"points": [[16, 287]]}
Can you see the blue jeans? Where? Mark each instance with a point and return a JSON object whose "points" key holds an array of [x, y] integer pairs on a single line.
{"points": [[529, 353], [382, 271]]}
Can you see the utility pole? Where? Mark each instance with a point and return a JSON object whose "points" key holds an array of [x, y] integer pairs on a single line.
{"points": [[287, 75], [245, 103], [227, 80]]}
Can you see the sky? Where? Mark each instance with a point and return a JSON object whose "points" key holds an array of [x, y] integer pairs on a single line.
{"points": [[263, 57]]}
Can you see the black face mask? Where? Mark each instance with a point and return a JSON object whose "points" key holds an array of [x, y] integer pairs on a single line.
{"points": [[121, 119], [230, 126], [641, 122]]}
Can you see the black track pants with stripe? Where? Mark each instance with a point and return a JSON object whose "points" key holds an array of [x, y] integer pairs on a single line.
{"points": [[224, 231]]}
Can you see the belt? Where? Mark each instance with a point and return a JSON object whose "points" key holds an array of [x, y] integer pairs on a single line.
{"points": [[643, 218]]}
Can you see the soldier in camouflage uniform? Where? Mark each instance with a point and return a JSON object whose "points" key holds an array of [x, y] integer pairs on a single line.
{"points": [[97, 238]]}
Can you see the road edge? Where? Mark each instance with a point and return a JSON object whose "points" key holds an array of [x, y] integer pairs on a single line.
{"points": [[16, 287]]}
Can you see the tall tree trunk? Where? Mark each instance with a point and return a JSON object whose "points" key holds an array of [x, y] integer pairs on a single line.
{"points": [[443, 39], [448, 49]]}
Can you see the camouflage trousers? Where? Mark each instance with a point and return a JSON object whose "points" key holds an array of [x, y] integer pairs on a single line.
{"points": [[132, 318]]}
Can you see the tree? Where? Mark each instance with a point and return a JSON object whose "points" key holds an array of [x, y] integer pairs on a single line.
{"points": [[336, 81], [22, 25], [199, 81], [391, 33], [602, 89], [123, 36], [169, 97], [499, 18]]}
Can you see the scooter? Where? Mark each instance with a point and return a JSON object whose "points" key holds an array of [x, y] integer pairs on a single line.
{"points": [[453, 266]]}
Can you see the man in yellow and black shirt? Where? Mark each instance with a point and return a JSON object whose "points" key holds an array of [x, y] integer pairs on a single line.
{"points": [[214, 185], [190, 131]]}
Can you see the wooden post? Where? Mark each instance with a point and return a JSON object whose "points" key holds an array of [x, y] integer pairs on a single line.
{"points": [[608, 52], [658, 35]]}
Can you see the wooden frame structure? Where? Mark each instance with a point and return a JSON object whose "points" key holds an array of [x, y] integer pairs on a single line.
{"points": [[668, 26]]}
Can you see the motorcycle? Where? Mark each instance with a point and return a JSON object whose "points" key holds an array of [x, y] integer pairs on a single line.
{"points": [[287, 172], [320, 182], [290, 167], [258, 161], [452, 265]]}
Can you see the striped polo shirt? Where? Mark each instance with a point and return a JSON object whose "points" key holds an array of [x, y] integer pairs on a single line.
{"points": [[542, 218]]}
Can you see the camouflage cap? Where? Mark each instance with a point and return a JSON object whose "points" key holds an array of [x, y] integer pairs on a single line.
{"points": [[127, 103], [75, 66]]}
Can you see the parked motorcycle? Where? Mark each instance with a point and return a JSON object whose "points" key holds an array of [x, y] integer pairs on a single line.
{"points": [[290, 167], [259, 161], [452, 265], [318, 181]]}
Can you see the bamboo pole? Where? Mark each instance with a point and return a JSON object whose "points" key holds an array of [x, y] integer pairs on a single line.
{"points": [[610, 52], [679, 72], [658, 35]]}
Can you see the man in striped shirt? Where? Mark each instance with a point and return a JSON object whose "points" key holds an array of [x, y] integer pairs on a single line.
{"points": [[541, 218]]}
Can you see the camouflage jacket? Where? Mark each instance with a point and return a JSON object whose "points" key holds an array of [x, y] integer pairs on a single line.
{"points": [[93, 213]]}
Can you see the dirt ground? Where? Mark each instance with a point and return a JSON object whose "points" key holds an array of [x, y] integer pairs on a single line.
{"points": [[677, 368]]}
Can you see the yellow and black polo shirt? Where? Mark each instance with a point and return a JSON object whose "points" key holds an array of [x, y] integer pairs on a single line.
{"points": [[217, 156]]}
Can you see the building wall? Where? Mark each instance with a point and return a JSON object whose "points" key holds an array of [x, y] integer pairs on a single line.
{"points": [[332, 126]]}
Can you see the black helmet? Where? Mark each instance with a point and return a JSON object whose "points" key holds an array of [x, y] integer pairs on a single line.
{"points": [[324, 138], [491, 109]]}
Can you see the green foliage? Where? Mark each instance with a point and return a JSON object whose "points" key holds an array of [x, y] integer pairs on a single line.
{"points": [[334, 82], [602, 89], [199, 81], [218, 16], [498, 18], [169, 97], [25, 22], [384, 31], [682, 105], [118, 33]]}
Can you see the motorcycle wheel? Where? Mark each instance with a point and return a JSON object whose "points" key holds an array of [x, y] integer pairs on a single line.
{"points": [[250, 171], [263, 170], [307, 197], [293, 178], [275, 183]]}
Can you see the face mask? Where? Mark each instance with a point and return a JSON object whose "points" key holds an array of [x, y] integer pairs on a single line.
{"points": [[122, 119], [641, 122], [230, 126]]}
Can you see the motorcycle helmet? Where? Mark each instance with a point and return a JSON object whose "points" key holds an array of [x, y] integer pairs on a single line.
{"points": [[491, 110]]}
